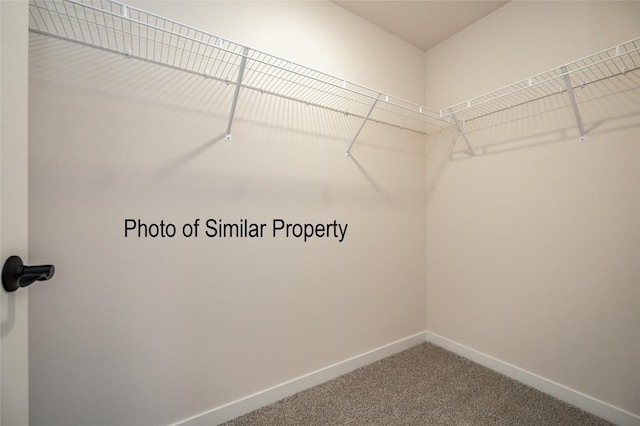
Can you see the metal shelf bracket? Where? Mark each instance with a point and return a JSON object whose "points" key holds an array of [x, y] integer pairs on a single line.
{"points": [[364, 121], [572, 97], [243, 64], [460, 126]]}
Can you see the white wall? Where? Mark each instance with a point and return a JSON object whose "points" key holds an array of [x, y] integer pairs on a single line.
{"points": [[151, 331], [14, 390], [532, 251]]}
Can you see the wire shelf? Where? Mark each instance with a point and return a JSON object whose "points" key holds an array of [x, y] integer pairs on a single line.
{"points": [[119, 28], [615, 61], [116, 27]]}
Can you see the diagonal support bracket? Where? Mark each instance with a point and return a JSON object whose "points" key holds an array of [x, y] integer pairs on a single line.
{"points": [[572, 97], [366, 118], [464, 135], [243, 64]]}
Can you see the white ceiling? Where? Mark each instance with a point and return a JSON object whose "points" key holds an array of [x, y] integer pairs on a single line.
{"points": [[421, 23]]}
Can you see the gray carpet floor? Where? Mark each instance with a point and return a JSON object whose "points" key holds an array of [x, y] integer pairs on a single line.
{"points": [[424, 385]]}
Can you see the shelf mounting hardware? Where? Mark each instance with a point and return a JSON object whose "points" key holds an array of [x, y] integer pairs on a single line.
{"points": [[572, 97], [366, 118], [243, 64], [464, 135]]}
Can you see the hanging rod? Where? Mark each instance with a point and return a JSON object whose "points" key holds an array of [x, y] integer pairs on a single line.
{"points": [[117, 27], [611, 62]]}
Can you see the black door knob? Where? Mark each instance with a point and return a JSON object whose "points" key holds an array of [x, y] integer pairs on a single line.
{"points": [[15, 274]]}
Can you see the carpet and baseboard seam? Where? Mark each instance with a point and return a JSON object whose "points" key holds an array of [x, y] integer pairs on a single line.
{"points": [[268, 396], [271, 395], [589, 404]]}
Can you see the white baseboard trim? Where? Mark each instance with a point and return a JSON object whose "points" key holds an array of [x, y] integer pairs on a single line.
{"points": [[599, 408], [268, 396]]}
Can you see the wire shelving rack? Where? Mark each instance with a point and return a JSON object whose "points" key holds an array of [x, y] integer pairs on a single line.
{"points": [[615, 61], [117, 27]]}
